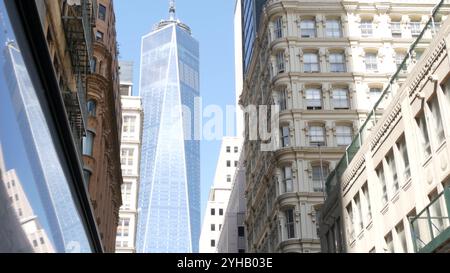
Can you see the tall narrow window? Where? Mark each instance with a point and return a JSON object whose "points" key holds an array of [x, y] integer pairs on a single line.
{"points": [[367, 204], [415, 28], [101, 12], [404, 159], [446, 89], [99, 36], [371, 62], [344, 135], [129, 127], [399, 58], [127, 161], [317, 135], [437, 126], [283, 100], [351, 221], [400, 229], [359, 211], [375, 95], [311, 63], [341, 99], [367, 28], [389, 243], [313, 99], [126, 196], [279, 28], [333, 28], [382, 181], [88, 143], [290, 223], [92, 108], [337, 62], [285, 136], [308, 28], [287, 180], [396, 29], [280, 62], [319, 175], [424, 137], [390, 159]]}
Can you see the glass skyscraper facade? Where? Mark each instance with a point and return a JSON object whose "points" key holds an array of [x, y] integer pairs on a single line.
{"points": [[251, 13], [169, 197]]}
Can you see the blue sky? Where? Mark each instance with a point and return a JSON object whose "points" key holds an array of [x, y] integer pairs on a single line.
{"points": [[212, 25]]}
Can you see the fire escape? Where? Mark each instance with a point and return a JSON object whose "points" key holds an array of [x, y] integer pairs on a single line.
{"points": [[79, 21]]}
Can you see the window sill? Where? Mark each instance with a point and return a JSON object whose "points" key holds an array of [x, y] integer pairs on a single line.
{"points": [[396, 197], [441, 146], [385, 209], [407, 184], [370, 225], [361, 235]]}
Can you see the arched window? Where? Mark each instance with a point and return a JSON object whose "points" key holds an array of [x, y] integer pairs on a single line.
{"points": [[92, 108]]}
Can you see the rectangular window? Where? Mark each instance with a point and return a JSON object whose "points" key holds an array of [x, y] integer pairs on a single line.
{"points": [[390, 159], [319, 175], [437, 126], [213, 212], [241, 231], [290, 224], [333, 28], [404, 159], [283, 100], [287, 180], [213, 227], [213, 243], [236, 163], [228, 178], [228, 163], [311, 63], [344, 135], [228, 149], [403, 247], [285, 136], [371, 62], [317, 135], [88, 143], [351, 221], [102, 12], [129, 127], [382, 181], [367, 205], [236, 150], [399, 58], [337, 62], [424, 137], [359, 212], [126, 196], [366, 28], [313, 99], [220, 212], [279, 28], [340, 99], [396, 29], [308, 28], [127, 161], [375, 95], [389, 243], [415, 28], [280, 62]]}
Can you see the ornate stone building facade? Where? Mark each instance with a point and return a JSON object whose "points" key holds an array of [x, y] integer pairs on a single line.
{"points": [[394, 194], [325, 63], [101, 149]]}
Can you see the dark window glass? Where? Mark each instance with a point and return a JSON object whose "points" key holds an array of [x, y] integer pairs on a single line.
{"points": [[102, 12], [241, 231]]}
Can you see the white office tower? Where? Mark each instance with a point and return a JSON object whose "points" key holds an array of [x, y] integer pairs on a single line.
{"points": [[219, 194], [130, 158]]}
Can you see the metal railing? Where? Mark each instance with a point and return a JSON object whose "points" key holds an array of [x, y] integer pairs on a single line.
{"points": [[423, 40], [431, 228]]}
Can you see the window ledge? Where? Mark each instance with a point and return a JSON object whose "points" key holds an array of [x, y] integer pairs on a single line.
{"points": [[407, 184], [385, 209], [396, 197], [361, 235], [441, 146], [370, 225]]}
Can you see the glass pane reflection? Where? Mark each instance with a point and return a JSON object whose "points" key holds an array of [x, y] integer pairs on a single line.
{"points": [[38, 212]]}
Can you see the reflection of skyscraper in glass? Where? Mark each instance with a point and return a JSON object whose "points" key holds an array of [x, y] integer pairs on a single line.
{"points": [[18, 200], [64, 220], [169, 200]]}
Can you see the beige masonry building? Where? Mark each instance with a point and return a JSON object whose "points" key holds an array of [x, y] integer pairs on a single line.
{"points": [[394, 195], [325, 63]]}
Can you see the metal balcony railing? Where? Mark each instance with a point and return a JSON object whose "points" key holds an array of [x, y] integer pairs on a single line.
{"points": [[423, 40], [431, 228]]}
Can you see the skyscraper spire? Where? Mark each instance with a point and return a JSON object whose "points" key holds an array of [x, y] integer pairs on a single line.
{"points": [[172, 10]]}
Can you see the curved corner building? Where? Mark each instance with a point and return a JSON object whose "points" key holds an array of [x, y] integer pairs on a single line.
{"points": [[169, 198]]}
